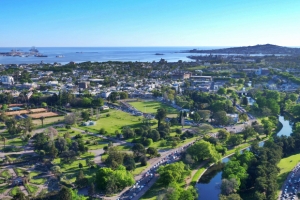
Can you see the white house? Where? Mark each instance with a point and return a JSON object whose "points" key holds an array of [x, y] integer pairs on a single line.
{"points": [[7, 80]]}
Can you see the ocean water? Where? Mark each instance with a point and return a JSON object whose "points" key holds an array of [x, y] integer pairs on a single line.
{"points": [[101, 54]]}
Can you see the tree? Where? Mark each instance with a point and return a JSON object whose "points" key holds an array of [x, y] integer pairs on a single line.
{"points": [[220, 117], [123, 95], [245, 101], [4, 140], [113, 97], [138, 150], [229, 186], [85, 115], [65, 194], [174, 172], [223, 135], [243, 117], [204, 114], [20, 196], [248, 132], [91, 190], [196, 117], [155, 136], [111, 181], [51, 132], [152, 151], [81, 180], [70, 119], [160, 115], [56, 170], [129, 162], [221, 91], [42, 120], [230, 197], [44, 104], [148, 142], [61, 144], [80, 165], [203, 150], [4, 107], [234, 140], [97, 102]]}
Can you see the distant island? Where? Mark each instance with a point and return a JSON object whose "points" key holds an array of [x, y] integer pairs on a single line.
{"points": [[257, 49], [158, 54]]}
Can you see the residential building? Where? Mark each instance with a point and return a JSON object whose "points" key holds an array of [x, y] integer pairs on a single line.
{"points": [[7, 80]]}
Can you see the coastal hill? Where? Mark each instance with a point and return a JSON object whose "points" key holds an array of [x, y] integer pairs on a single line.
{"points": [[257, 49]]}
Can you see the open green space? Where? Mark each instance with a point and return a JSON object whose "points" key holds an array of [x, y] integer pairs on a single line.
{"points": [[19, 171], [139, 169], [38, 181], [286, 165], [5, 174], [116, 121], [31, 189], [197, 67], [198, 174], [70, 170], [34, 173], [48, 121], [14, 191], [152, 106]]}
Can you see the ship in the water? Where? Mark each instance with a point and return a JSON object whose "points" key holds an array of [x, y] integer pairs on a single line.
{"points": [[60, 56], [34, 50], [40, 55]]}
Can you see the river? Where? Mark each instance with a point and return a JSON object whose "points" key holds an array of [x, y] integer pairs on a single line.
{"points": [[209, 184]]}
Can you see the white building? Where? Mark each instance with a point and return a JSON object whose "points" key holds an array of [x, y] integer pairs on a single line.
{"points": [[52, 83], [233, 117], [7, 80]]}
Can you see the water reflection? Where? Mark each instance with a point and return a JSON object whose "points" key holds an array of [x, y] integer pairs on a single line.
{"points": [[209, 184]]}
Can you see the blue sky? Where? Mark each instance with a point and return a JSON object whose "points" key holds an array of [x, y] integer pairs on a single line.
{"points": [[55, 23]]}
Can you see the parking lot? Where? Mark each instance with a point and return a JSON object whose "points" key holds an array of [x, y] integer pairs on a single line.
{"points": [[291, 185]]}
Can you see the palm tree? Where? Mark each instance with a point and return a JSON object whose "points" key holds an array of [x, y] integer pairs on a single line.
{"points": [[42, 119], [4, 140]]}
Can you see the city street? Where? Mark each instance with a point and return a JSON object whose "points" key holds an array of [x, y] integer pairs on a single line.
{"points": [[290, 187]]}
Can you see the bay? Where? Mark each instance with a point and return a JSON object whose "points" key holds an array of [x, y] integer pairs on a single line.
{"points": [[100, 54]]}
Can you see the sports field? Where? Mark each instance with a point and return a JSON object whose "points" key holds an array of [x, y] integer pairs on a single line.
{"points": [[152, 106], [116, 121]]}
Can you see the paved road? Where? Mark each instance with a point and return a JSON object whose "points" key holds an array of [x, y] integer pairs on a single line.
{"points": [[290, 187], [145, 180]]}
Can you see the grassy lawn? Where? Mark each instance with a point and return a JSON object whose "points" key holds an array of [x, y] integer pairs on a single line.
{"points": [[34, 173], [198, 174], [152, 106], [5, 174], [19, 171], [38, 181], [286, 165], [47, 121], [70, 170], [14, 191], [116, 121], [197, 67], [31, 188], [104, 157], [139, 169], [16, 142]]}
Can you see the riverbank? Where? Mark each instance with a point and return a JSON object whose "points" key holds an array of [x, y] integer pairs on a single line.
{"points": [[216, 177]]}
